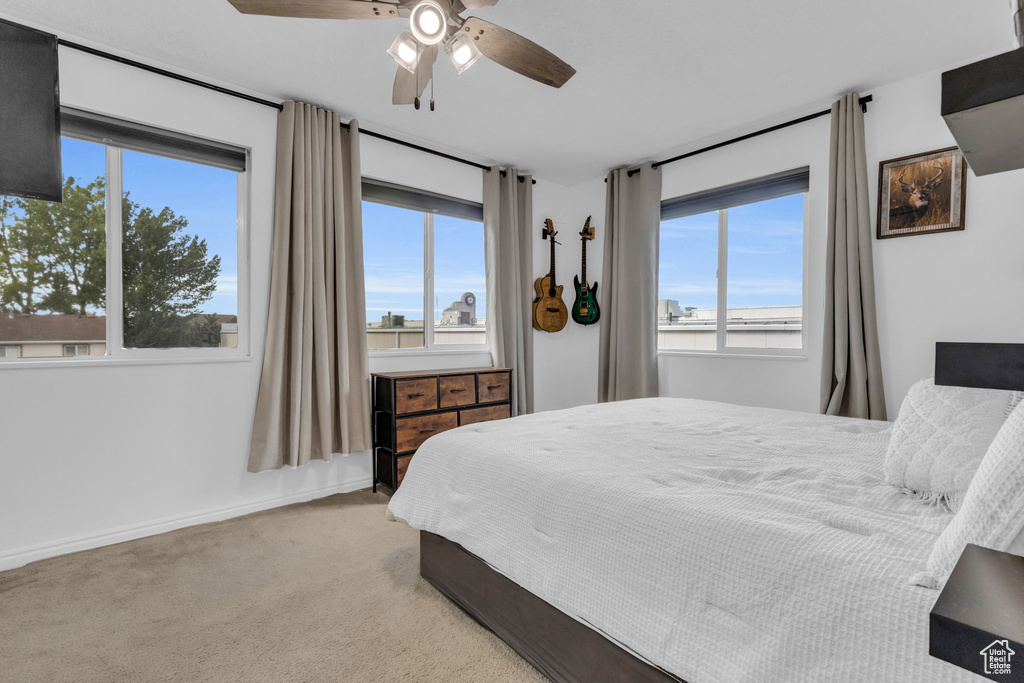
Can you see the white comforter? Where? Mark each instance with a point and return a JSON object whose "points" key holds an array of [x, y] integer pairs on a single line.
{"points": [[719, 542]]}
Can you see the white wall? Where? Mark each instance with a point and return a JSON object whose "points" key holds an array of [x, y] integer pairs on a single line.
{"points": [[94, 455], [962, 286], [386, 161], [779, 382], [956, 286], [565, 363], [99, 454]]}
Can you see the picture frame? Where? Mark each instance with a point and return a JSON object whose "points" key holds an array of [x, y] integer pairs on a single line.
{"points": [[922, 194]]}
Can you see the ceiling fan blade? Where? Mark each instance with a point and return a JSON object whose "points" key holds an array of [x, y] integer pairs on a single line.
{"points": [[319, 9], [476, 4], [409, 86], [514, 52]]}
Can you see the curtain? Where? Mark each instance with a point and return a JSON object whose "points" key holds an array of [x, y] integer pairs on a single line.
{"points": [[851, 362], [628, 360], [314, 392], [508, 218]]}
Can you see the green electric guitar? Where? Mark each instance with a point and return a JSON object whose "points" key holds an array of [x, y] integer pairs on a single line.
{"points": [[585, 311]]}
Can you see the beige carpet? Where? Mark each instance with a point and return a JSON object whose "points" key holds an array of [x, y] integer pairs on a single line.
{"points": [[320, 591]]}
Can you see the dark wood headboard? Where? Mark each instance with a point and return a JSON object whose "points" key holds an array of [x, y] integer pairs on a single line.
{"points": [[982, 366]]}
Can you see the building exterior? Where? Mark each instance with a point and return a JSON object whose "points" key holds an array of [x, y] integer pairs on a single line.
{"points": [[458, 326], [57, 336], [695, 329], [409, 335], [679, 329]]}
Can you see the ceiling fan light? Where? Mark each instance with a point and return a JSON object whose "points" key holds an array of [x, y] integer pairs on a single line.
{"points": [[406, 50], [462, 52], [428, 22]]}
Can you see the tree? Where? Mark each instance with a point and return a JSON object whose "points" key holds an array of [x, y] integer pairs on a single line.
{"points": [[167, 276], [72, 240], [21, 271], [53, 259]]}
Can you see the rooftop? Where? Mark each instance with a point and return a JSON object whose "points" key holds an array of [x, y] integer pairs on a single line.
{"points": [[17, 327]]}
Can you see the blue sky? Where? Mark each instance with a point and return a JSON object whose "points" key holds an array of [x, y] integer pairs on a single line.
{"points": [[765, 259], [206, 196], [393, 262], [765, 242]]}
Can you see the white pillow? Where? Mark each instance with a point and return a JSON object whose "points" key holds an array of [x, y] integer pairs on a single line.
{"points": [[939, 439], [992, 514], [1015, 399]]}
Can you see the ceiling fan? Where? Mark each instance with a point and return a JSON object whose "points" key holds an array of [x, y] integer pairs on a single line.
{"points": [[431, 23]]}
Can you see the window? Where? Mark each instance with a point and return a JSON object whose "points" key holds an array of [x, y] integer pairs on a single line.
{"points": [[731, 270], [72, 350], [10, 352], [155, 274], [423, 255]]}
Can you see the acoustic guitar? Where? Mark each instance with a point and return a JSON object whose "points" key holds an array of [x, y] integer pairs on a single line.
{"points": [[585, 311], [549, 311]]}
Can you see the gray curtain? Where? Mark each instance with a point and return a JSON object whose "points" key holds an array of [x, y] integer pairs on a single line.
{"points": [[508, 218], [851, 362], [314, 392], [628, 361]]}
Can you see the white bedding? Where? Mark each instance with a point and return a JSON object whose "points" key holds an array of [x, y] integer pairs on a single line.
{"points": [[721, 543]]}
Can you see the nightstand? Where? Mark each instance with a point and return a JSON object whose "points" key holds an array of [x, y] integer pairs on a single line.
{"points": [[977, 622]]}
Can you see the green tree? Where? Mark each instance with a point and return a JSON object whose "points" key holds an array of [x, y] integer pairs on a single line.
{"points": [[53, 259], [73, 245], [21, 269], [167, 276]]}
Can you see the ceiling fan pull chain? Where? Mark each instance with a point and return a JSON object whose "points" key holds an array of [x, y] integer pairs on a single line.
{"points": [[431, 94], [416, 101]]}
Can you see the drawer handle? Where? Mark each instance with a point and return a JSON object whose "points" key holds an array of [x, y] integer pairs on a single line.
{"points": [[495, 386], [428, 431], [457, 391], [415, 395]]}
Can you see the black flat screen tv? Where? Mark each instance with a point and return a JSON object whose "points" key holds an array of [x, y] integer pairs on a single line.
{"points": [[30, 163]]}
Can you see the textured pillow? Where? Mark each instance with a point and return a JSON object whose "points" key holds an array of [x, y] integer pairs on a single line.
{"points": [[1015, 399], [940, 437], [992, 514]]}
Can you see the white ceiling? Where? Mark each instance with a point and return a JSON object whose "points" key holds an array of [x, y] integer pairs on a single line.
{"points": [[653, 76]]}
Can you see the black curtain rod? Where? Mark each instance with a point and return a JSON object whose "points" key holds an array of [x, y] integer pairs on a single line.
{"points": [[803, 119], [252, 98]]}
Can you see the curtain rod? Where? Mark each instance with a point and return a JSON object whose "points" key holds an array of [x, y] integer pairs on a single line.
{"points": [[252, 98], [803, 119]]}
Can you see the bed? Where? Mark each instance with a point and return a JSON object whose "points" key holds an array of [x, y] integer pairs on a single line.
{"points": [[701, 541]]}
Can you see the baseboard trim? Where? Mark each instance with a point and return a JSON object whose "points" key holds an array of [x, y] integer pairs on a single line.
{"points": [[22, 556]]}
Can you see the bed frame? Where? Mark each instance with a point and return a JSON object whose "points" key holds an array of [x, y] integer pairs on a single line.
{"points": [[561, 648], [568, 651]]}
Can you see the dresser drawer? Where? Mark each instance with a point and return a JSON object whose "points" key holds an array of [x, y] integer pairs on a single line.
{"points": [[401, 465], [411, 432], [415, 395], [458, 390], [473, 415], [494, 386]]}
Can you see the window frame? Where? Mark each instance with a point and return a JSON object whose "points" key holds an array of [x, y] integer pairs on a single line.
{"points": [[430, 205], [747, 191], [115, 353], [21, 351]]}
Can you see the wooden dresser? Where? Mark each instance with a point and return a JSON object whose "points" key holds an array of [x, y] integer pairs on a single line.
{"points": [[410, 407]]}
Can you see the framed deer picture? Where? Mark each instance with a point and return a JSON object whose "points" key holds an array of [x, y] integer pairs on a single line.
{"points": [[922, 194]]}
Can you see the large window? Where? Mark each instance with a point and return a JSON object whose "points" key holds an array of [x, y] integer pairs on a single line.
{"points": [[424, 267], [731, 271], [156, 272]]}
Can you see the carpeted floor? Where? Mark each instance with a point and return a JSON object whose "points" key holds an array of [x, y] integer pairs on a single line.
{"points": [[320, 591]]}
